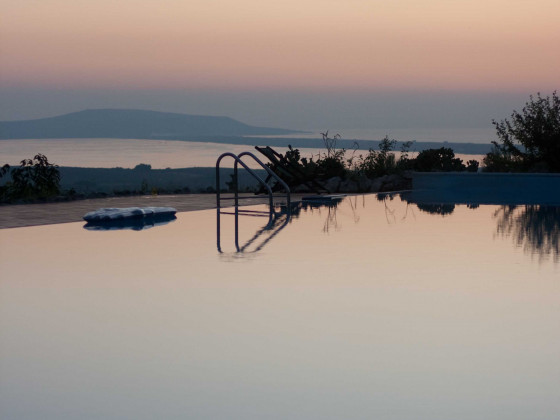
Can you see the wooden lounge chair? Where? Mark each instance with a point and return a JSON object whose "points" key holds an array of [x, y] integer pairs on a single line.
{"points": [[290, 172]]}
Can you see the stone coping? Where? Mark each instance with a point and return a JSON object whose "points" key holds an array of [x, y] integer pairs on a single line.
{"points": [[21, 215], [488, 174]]}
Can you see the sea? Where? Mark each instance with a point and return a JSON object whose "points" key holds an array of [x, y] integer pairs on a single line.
{"points": [[161, 154]]}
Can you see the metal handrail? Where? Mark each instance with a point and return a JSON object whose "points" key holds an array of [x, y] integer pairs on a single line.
{"points": [[235, 177]]}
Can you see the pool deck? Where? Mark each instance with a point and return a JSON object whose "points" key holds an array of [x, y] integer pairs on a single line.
{"points": [[21, 215]]}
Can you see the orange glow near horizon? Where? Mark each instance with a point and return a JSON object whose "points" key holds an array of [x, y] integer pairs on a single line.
{"points": [[357, 44]]}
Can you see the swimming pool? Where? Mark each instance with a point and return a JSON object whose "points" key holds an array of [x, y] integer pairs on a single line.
{"points": [[370, 308]]}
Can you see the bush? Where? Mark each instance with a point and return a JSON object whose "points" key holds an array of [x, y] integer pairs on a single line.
{"points": [[143, 167], [438, 160], [379, 163], [333, 163], [331, 166], [472, 165], [530, 141]]}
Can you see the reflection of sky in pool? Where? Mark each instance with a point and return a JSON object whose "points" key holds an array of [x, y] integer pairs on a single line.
{"points": [[370, 309]]}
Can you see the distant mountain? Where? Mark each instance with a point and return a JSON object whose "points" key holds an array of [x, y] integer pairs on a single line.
{"points": [[130, 123]]}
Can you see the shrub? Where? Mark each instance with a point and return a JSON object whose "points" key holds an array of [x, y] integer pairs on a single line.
{"points": [[331, 163], [381, 162], [438, 160], [472, 165], [442, 209], [405, 162], [143, 167]]}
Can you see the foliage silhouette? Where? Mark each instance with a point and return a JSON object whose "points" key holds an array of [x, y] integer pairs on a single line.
{"points": [[332, 163], [472, 165], [35, 178], [442, 209], [379, 163], [438, 160], [535, 228], [530, 141]]}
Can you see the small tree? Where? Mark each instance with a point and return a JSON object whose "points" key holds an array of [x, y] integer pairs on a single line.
{"points": [[530, 141], [35, 178]]}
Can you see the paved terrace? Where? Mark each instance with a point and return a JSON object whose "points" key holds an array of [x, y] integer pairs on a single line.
{"points": [[21, 215]]}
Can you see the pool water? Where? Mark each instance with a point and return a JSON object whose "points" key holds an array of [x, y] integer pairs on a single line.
{"points": [[370, 308]]}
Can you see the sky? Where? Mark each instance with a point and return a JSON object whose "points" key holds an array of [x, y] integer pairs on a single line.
{"points": [[288, 63]]}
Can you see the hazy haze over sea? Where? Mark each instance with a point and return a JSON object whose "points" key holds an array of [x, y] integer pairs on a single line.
{"points": [[451, 116]]}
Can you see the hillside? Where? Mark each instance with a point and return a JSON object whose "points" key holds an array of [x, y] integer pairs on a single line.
{"points": [[144, 178], [130, 123]]}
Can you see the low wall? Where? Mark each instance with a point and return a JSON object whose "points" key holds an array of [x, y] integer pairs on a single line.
{"points": [[485, 188]]}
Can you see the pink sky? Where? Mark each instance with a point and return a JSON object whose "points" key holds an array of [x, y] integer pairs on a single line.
{"points": [[507, 45]]}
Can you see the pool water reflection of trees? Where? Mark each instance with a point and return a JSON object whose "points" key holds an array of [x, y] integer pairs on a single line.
{"points": [[535, 228]]}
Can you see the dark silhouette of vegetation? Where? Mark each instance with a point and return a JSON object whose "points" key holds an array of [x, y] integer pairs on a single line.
{"points": [[535, 228], [441, 209], [232, 184], [4, 188], [333, 163], [374, 164], [383, 161], [327, 165], [82, 183], [4, 170], [405, 161], [296, 170], [472, 165], [530, 141], [143, 167], [379, 163], [438, 160], [34, 179]]}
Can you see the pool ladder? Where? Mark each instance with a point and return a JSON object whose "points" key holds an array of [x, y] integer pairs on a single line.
{"points": [[271, 214], [238, 161]]}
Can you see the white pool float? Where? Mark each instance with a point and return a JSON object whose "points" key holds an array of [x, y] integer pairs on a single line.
{"points": [[112, 214]]}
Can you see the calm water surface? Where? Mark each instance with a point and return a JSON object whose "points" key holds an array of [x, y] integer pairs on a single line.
{"points": [[127, 153], [370, 309], [481, 135]]}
